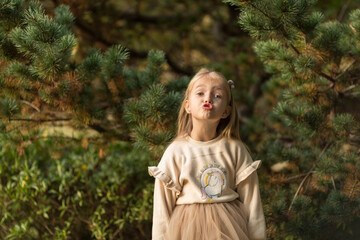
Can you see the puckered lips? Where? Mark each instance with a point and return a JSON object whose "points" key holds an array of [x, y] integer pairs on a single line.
{"points": [[207, 106]]}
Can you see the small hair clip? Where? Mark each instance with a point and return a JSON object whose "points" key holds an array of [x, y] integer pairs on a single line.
{"points": [[231, 84]]}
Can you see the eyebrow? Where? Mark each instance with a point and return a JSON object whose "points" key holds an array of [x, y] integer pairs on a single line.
{"points": [[217, 88]]}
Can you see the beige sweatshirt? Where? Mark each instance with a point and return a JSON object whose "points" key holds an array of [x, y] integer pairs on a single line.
{"points": [[219, 170]]}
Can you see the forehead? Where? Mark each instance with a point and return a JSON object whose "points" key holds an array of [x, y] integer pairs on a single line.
{"points": [[207, 82]]}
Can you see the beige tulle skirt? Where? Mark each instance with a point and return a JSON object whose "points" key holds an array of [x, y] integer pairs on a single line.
{"points": [[211, 221]]}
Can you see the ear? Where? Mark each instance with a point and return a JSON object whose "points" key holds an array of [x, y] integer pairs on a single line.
{"points": [[226, 112], [187, 107]]}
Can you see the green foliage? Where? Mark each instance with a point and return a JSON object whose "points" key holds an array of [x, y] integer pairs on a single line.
{"points": [[8, 107], [151, 115], [63, 16], [354, 19], [46, 43], [57, 190], [90, 67], [10, 12], [113, 60], [336, 38], [61, 189], [336, 208], [37, 64], [314, 68]]}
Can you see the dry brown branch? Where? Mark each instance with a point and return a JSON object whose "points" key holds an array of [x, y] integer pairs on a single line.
{"points": [[306, 176]]}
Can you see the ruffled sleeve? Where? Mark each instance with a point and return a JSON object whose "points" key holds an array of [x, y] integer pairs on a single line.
{"points": [[164, 204], [166, 190], [164, 178], [247, 185], [241, 176], [169, 169]]}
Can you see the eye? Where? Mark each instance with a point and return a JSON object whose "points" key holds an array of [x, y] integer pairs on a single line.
{"points": [[199, 93], [217, 96]]}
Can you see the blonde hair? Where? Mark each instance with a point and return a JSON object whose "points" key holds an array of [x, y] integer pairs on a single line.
{"points": [[228, 127]]}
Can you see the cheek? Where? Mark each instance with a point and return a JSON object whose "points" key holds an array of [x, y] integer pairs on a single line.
{"points": [[223, 104]]}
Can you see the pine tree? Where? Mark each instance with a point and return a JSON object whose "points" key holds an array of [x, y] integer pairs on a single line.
{"points": [[85, 191], [152, 115], [314, 128], [39, 73]]}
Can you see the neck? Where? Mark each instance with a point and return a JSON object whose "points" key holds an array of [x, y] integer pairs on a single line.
{"points": [[204, 131]]}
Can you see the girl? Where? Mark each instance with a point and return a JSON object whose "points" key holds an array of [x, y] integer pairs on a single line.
{"points": [[206, 185]]}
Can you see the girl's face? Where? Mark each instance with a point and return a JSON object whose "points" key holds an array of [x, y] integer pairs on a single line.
{"points": [[208, 100]]}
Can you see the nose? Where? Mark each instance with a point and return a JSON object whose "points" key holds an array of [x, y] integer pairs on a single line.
{"points": [[207, 99]]}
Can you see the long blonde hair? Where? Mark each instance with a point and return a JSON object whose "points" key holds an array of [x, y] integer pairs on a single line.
{"points": [[228, 127]]}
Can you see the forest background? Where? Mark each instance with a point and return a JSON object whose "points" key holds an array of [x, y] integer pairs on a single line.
{"points": [[89, 94]]}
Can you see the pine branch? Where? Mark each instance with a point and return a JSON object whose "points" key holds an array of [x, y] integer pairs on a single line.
{"points": [[97, 127], [99, 37], [343, 10], [31, 105], [307, 175], [283, 33], [164, 20], [39, 26], [259, 9], [347, 67], [321, 73], [325, 76], [295, 49], [293, 177], [348, 89], [300, 186], [66, 137], [353, 187], [333, 182], [39, 120]]}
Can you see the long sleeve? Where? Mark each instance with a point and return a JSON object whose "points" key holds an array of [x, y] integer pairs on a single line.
{"points": [[164, 203], [166, 190], [249, 192]]}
